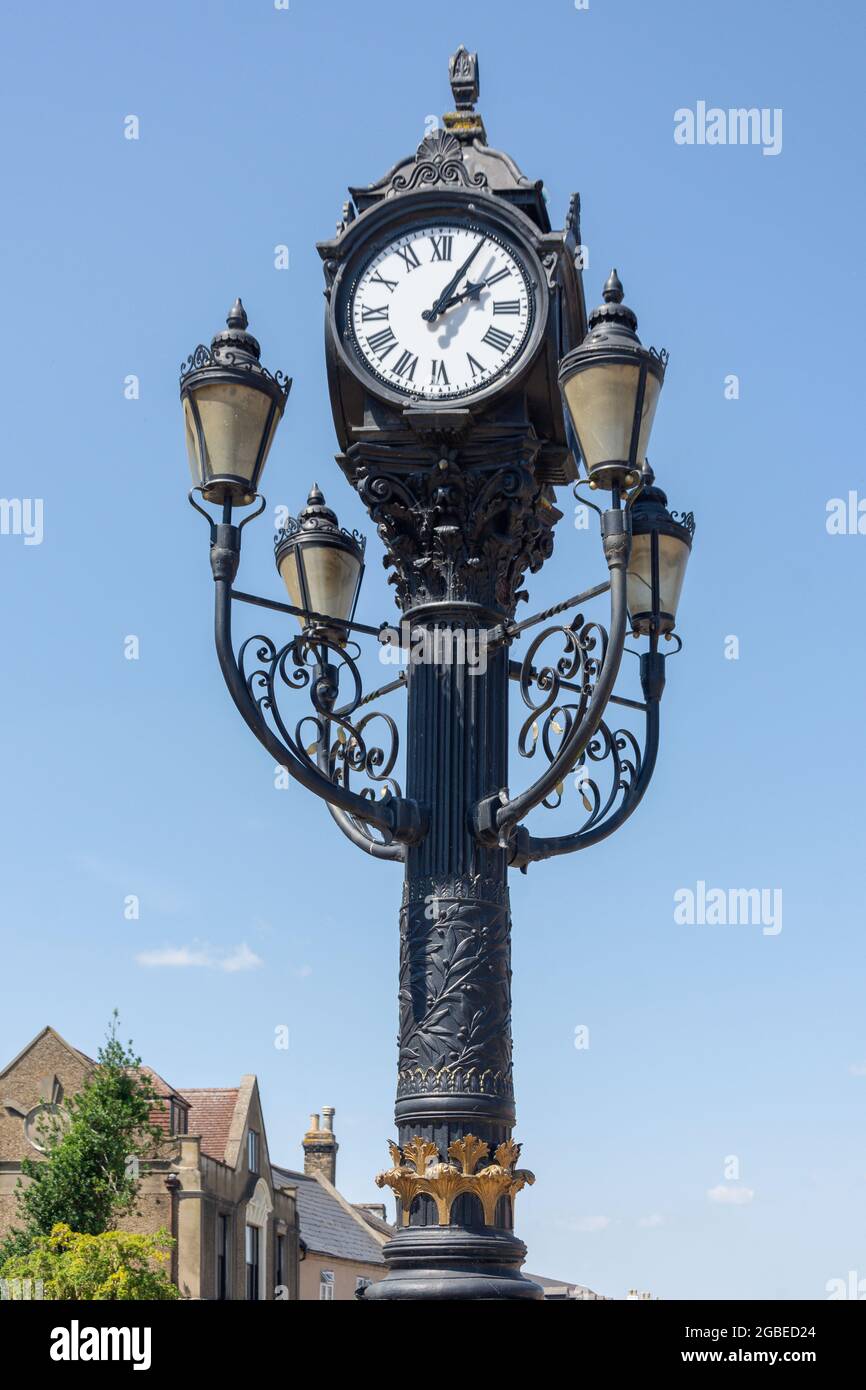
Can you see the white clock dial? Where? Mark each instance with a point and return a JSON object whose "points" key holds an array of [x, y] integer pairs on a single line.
{"points": [[442, 311]]}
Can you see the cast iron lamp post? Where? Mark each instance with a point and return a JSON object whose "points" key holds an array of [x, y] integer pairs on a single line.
{"points": [[453, 431]]}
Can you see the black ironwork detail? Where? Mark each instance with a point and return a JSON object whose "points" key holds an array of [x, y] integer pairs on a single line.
{"points": [[239, 361], [464, 534], [464, 75], [686, 519], [415, 1081], [339, 746], [455, 990], [201, 357], [438, 159], [621, 749], [572, 218], [585, 649], [466, 887]]}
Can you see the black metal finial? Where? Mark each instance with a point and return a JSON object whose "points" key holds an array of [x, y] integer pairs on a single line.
{"points": [[613, 290], [237, 316], [464, 78], [613, 316], [234, 338], [317, 514]]}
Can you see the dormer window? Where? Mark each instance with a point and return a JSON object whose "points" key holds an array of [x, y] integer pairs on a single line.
{"points": [[178, 1118]]}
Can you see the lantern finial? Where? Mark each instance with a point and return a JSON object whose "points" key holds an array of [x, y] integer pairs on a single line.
{"points": [[237, 316], [613, 291]]}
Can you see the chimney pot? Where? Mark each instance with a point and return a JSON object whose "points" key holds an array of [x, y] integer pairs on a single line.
{"points": [[320, 1146]]}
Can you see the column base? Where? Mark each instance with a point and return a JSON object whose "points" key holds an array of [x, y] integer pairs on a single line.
{"points": [[453, 1263]]}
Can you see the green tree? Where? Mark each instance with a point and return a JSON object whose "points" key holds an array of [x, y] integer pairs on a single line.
{"points": [[113, 1265], [86, 1180]]}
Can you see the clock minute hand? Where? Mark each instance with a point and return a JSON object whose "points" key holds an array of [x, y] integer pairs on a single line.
{"points": [[436, 310]]}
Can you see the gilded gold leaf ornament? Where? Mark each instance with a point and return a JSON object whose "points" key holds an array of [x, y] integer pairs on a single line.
{"points": [[467, 1151], [420, 1152], [444, 1182]]}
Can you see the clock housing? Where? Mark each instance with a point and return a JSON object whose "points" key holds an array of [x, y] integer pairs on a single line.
{"points": [[459, 187]]}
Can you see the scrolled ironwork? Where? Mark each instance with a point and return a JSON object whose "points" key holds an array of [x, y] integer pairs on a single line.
{"points": [[315, 663], [551, 719], [203, 356], [200, 357], [630, 770], [621, 750], [686, 519]]}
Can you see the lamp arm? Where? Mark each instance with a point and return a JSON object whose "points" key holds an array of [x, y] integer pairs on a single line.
{"points": [[398, 818], [529, 849], [495, 817]]}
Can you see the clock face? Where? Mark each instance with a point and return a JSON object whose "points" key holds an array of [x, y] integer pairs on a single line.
{"points": [[441, 311]]}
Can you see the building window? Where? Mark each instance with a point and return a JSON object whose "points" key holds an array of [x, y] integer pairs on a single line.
{"points": [[280, 1279], [361, 1282], [253, 1151], [326, 1284], [223, 1247], [252, 1258], [177, 1118]]}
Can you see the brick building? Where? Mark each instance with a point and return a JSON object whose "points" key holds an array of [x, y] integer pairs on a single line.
{"points": [[211, 1186], [244, 1228]]}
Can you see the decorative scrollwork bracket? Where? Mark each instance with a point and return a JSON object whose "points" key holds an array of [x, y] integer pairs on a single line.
{"points": [[308, 753]]}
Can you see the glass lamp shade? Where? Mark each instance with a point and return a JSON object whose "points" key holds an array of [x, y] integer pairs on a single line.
{"points": [[230, 426], [321, 566], [610, 386], [601, 400], [231, 408], [660, 549]]}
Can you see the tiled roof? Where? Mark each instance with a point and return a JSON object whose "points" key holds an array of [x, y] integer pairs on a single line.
{"points": [[326, 1226], [373, 1218], [210, 1115], [161, 1086]]}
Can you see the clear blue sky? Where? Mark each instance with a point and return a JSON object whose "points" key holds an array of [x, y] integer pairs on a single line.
{"points": [[137, 777]]}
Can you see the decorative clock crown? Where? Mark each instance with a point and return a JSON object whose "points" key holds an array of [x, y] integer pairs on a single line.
{"points": [[456, 154]]}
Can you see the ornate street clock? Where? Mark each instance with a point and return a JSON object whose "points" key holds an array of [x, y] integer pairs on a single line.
{"points": [[453, 311], [450, 303], [450, 299]]}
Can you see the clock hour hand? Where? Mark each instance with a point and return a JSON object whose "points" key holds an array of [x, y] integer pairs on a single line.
{"points": [[430, 314], [472, 291]]}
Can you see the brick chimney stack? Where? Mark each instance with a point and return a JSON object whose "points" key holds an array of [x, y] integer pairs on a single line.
{"points": [[320, 1146]]}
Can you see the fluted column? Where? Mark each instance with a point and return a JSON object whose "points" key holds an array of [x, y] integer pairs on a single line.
{"points": [[460, 533]]}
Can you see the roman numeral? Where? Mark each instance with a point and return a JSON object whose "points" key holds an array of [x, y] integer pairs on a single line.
{"points": [[441, 247], [439, 373], [382, 343], [474, 367], [407, 255], [497, 339], [367, 314], [500, 275], [506, 306], [390, 285], [405, 366]]}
